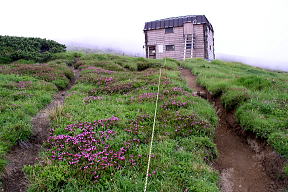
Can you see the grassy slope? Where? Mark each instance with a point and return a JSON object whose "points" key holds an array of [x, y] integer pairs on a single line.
{"points": [[55, 72], [24, 90], [183, 137], [260, 97], [21, 98], [126, 89]]}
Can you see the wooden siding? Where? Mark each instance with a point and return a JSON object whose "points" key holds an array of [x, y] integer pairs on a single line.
{"points": [[199, 41], [158, 38], [210, 42], [188, 28]]}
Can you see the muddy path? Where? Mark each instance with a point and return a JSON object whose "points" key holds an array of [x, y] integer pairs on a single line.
{"points": [[245, 163], [26, 152]]}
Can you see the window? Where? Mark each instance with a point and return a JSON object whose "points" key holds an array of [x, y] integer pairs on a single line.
{"points": [[169, 30], [194, 41], [210, 48], [170, 47], [188, 46]]}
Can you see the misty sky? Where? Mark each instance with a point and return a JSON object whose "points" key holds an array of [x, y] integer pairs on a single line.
{"points": [[255, 29]]}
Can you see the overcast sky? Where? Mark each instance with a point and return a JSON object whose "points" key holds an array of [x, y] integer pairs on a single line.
{"points": [[253, 29]]}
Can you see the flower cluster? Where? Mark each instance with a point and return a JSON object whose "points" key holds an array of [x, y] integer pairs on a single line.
{"points": [[165, 80], [149, 72], [119, 88], [134, 127], [137, 128], [174, 104], [45, 72], [185, 125], [23, 84], [96, 80], [98, 70], [103, 80], [175, 91], [144, 97], [89, 99], [86, 147]]}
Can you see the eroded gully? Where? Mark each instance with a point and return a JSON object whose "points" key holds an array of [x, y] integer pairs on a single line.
{"points": [[26, 152], [245, 163]]}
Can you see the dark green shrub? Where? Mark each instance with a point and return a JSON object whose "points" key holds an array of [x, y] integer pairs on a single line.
{"points": [[36, 49]]}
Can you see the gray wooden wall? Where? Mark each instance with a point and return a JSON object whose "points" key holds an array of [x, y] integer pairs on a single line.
{"points": [[198, 50], [158, 37], [210, 42]]}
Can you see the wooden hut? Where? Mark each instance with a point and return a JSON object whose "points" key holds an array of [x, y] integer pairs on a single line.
{"points": [[182, 37]]}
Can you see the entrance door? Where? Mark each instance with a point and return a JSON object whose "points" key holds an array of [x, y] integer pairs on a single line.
{"points": [[152, 52]]}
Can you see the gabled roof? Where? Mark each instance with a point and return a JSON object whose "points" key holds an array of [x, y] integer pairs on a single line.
{"points": [[176, 22]]}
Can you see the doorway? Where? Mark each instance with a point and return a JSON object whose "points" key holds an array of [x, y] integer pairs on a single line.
{"points": [[152, 52]]}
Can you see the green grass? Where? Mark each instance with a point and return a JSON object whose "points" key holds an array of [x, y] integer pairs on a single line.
{"points": [[260, 97], [26, 88], [125, 87], [286, 169], [56, 72], [21, 97]]}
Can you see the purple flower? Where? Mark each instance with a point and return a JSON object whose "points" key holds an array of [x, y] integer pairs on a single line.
{"points": [[92, 98]]}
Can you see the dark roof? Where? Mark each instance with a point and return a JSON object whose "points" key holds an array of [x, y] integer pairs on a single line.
{"points": [[176, 22]]}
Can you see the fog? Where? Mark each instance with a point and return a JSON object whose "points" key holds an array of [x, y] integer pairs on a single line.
{"points": [[269, 64], [254, 32]]}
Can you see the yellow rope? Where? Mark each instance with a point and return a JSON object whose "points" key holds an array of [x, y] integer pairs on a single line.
{"points": [[153, 128]]}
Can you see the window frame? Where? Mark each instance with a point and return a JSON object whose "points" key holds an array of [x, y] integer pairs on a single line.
{"points": [[172, 48], [189, 46], [169, 30]]}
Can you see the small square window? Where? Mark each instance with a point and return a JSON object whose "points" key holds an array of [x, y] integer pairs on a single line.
{"points": [[170, 48], [169, 30], [188, 46]]}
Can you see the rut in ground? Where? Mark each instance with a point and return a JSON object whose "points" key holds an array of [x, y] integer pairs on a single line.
{"points": [[244, 163], [26, 152]]}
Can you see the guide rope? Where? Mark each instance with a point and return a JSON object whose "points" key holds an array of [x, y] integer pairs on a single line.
{"points": [[153, 128]]}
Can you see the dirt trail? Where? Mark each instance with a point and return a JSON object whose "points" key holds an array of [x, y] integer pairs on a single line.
{"points": [[245, 163], [26, 152]]}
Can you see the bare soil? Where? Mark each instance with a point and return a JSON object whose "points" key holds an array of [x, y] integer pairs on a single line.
{"points": [[26, 152], [245, 163]]}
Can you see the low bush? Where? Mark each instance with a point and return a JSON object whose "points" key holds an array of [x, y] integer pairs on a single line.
{"points": [[36, 49]]}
